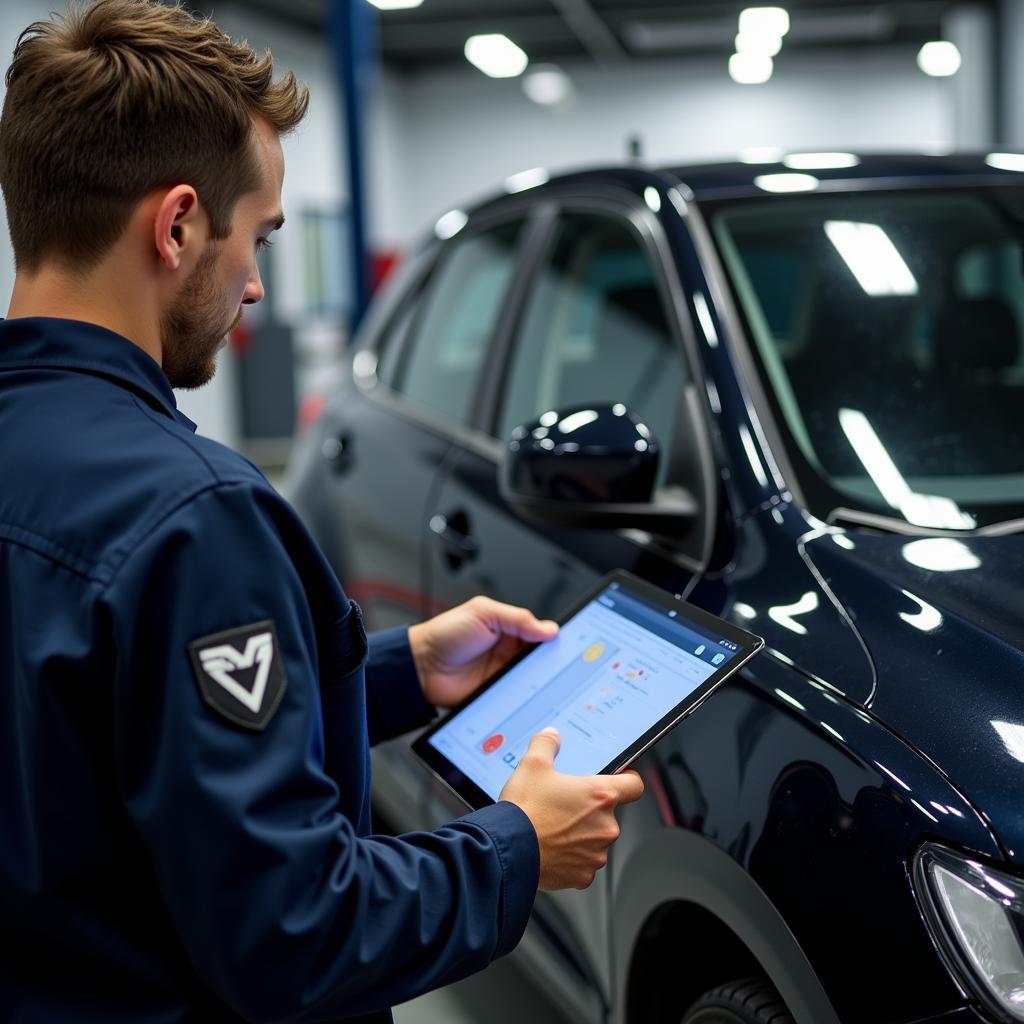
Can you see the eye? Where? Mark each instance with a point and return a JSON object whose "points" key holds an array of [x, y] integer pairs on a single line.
{"points": [[263, 243]]}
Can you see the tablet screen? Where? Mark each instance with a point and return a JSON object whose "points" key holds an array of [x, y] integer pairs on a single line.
{"points": [[617, 667]]}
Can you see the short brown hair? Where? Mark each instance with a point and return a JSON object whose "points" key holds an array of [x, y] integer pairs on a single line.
{"points": [[110, 101]]}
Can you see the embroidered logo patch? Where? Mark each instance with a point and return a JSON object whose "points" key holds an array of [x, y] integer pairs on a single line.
{"points": [[240, 673]]}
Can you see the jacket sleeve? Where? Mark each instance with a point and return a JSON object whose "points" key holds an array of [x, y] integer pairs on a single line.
{"points": [[394, 696], [282, 908]]}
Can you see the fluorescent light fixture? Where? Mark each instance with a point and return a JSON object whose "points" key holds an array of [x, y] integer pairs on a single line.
{"points": [[761, 155], [1006, 161], [764, 21], [450, 224], [395, 5], [820, 161], [547, 85], [526, 179], [745, 610], [750, 68], [786, 182], [652, 198], [939, 59], [766, 45], [872, 258], [496, 55]]}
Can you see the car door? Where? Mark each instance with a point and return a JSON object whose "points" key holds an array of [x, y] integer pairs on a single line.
{"points": [[596, 324], [411, 401]]}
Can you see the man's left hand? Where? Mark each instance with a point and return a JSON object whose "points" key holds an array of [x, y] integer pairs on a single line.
{"points": [[458, 649]]}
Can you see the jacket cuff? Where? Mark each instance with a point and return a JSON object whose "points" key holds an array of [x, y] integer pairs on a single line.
{"points": [[394, 697], [515, 840]]}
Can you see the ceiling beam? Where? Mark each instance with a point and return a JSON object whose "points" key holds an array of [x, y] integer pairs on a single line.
{"points": [[599, 40]]}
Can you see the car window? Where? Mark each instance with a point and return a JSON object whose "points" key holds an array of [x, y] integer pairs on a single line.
{"points": [[595, 330], [888, 327], [454, 324]]}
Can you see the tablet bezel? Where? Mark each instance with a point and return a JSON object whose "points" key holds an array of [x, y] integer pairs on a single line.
{"points": [[747, 646]]}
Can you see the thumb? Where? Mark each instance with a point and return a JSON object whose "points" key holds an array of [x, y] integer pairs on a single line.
{"points": [[545, 744]]}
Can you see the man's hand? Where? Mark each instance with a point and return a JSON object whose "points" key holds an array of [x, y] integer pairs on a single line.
{"points": [[458, 649], [574, 816]]}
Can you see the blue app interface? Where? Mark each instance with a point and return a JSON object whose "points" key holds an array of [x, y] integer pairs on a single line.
{"points": [[617, 667]]}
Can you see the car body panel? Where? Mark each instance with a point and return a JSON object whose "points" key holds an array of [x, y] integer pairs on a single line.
{"points": [[883, 713]]}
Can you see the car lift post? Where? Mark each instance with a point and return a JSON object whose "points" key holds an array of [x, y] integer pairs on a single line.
{"points": [[353, 36]]}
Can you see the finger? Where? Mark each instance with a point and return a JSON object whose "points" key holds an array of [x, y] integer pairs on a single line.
{"points": [[520, 622], [629, 787], [545, 744]]}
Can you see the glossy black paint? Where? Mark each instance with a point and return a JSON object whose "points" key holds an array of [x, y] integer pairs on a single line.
{"points": [[883, 714], [588, 455]]}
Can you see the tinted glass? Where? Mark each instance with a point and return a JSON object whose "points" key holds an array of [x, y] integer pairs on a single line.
{"points": [[453, 328], [889, 329], [595, 330]]}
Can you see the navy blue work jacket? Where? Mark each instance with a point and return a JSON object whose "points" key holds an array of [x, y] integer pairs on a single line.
{"points": [[186, 708]]}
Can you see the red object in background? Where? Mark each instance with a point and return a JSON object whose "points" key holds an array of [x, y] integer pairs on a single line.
{"points": [[492, 743], [616, 664], [241, 338], [381, 265]]}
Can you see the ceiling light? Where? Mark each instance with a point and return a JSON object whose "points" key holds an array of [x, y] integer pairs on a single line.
{"points": [[820, 161], [548, 85], [939, 59], [764, 21], [872, 258], [750, 68], [786, 182], [767, 45], [1006, 161], [395, 5], [496, 55]]}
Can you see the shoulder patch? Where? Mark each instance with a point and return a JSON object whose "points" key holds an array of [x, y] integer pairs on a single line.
{"points": [[240, 673]]}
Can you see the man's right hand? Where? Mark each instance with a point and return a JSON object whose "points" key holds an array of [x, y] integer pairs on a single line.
{"points": [[574, 816]]}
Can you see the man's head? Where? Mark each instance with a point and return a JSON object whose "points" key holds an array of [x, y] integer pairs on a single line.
{"points": [[129, 116]]}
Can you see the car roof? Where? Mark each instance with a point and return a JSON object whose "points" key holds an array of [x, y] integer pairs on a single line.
{"points": [[736, 178]]}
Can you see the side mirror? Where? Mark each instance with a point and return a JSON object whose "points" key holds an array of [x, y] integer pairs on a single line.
{"points": [[592, 466]]}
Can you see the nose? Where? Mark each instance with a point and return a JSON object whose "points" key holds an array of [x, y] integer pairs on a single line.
{"points": [[253, 288]]}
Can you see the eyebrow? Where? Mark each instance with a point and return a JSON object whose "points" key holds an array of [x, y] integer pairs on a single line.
{"points": [[277, 222]]}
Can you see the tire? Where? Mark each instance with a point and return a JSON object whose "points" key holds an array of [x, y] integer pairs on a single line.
{"points": [[744, 1001]]}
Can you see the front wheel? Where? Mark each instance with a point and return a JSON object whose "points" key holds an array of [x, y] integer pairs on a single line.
{"points": [[745, 1001]]}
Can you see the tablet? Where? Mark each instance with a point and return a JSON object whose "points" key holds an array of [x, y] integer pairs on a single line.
{"points": [[629, 662]]}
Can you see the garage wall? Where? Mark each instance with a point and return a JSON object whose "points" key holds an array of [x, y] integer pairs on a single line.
{"points": [[464, 133]]}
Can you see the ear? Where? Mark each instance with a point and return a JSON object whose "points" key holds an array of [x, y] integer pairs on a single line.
{"points": [[180, 226]]}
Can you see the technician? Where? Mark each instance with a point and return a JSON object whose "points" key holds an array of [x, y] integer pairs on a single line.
{"points": [[187, 697]]}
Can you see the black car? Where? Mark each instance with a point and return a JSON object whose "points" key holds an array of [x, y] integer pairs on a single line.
{"points": [[823, 377]]}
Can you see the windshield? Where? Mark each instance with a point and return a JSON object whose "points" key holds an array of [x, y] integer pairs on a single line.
{"points": [[887, 326]]}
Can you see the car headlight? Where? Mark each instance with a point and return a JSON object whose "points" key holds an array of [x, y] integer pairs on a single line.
{"points": [[977, 917]]}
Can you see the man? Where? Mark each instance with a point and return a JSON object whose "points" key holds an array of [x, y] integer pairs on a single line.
{"points": [[186, 700]]}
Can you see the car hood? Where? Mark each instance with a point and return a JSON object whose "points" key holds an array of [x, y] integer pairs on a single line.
{"points": [[943, 621]]}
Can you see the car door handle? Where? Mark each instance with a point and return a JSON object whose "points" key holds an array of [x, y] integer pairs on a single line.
{"points": [[452, 532], [338, 452]]}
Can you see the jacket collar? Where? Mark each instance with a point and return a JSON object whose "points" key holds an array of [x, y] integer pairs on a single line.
{"points": [[51, 343]]}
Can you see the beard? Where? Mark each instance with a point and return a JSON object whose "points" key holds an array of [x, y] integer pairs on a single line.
{"points": [[193, 329]]}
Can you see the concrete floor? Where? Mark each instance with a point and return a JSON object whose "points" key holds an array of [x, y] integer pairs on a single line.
{"points": [[502, 994]]}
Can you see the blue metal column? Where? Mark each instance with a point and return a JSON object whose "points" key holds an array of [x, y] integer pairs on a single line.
{"points": [[353, 31]]}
